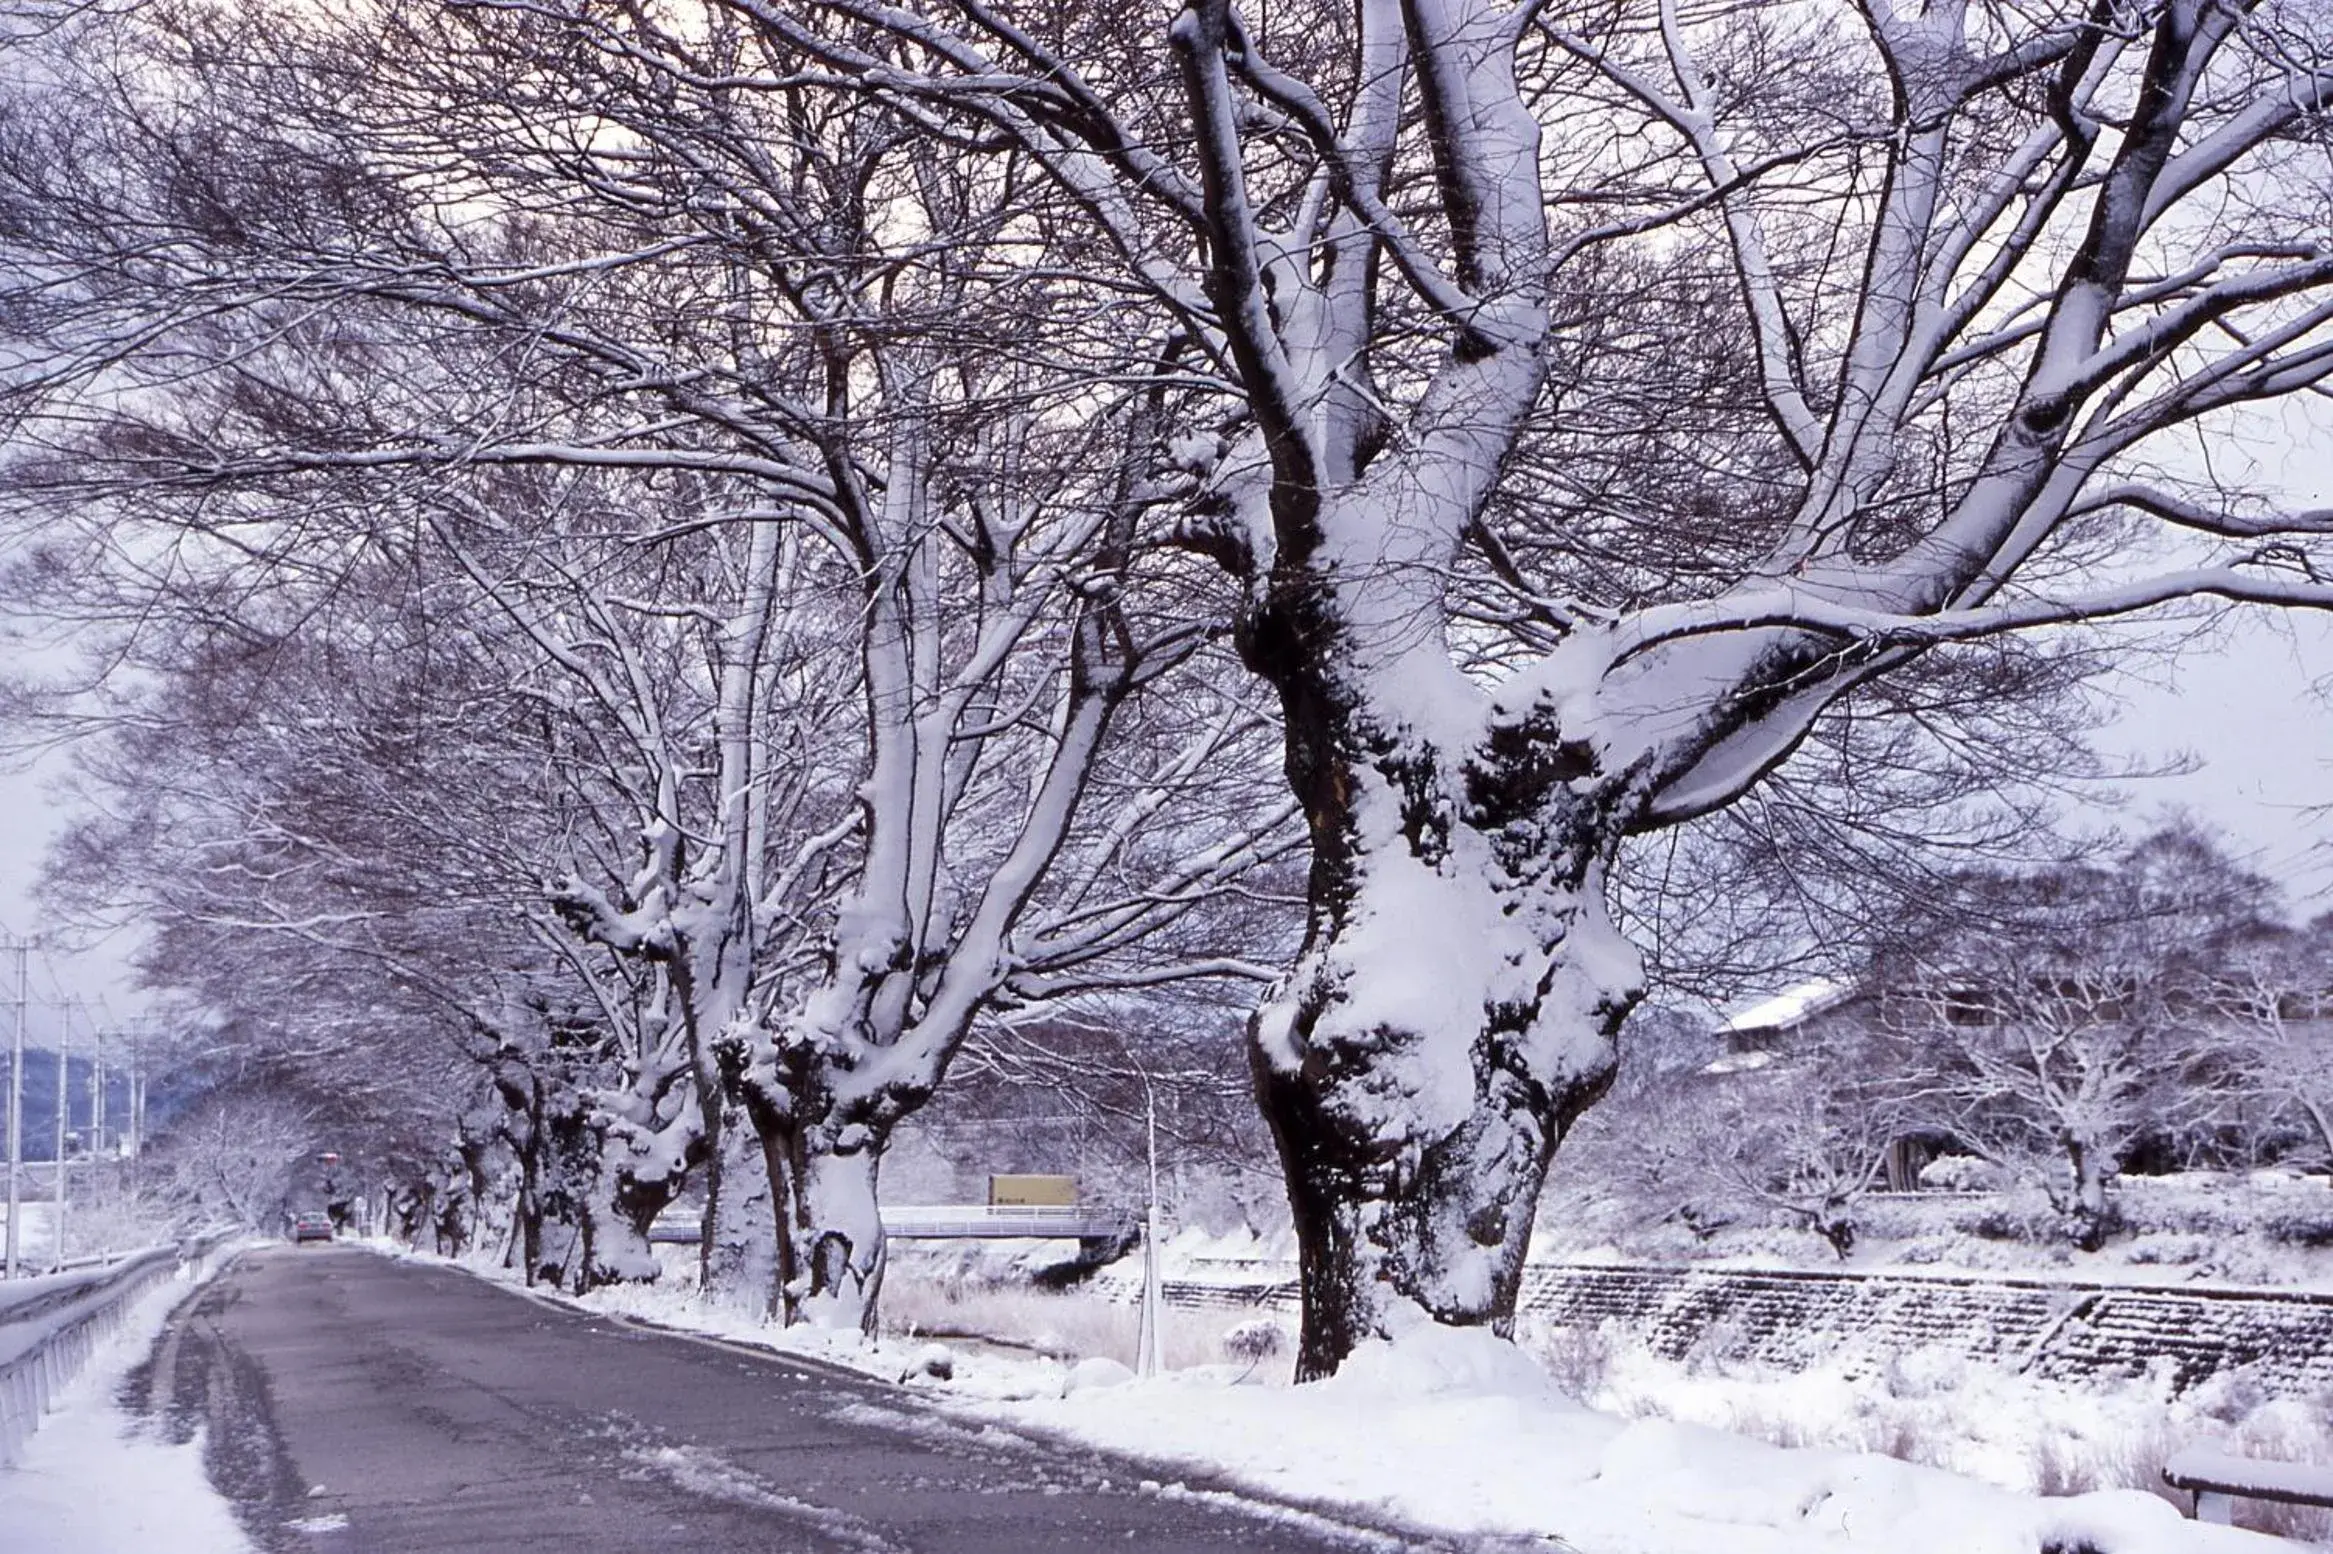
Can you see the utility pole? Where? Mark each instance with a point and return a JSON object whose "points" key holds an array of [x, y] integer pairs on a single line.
{"points": [[137, 1105], [1149, 1340], [23, 949], [96, 1093], [64, 1105]]}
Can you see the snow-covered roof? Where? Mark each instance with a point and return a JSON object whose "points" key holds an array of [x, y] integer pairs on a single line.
{"points": [[1787, 1009]]}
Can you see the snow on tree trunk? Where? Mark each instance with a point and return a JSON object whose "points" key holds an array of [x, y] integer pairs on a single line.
{"points": [[833, 1256], [744, 1224], [2090, 1216], [580, 1239], [713, 1155], [1452, 1012]]}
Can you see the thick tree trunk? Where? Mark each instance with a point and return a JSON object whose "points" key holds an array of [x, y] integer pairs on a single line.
{"points": [[1452, 1013], [569, 1192], [621, 1253], [713, 1125], [835, 1251], [741, 1227], [642, 1158], [830, 1249], [2090, 1215], [413, 1210], [528, 1211]]}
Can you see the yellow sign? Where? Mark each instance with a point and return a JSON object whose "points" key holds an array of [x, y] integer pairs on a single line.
{"points": [[1032, 1191]]}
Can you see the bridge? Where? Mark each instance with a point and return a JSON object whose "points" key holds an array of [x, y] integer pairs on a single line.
{"points": [[981, 1222], [1008, 1221]]}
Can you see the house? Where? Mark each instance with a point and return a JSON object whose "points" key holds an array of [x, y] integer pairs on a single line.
{"points": [[1765, 1032], [1770, 1024]]}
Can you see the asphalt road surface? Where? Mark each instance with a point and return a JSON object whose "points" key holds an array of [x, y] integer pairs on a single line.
{"points": [[356, 1404]]}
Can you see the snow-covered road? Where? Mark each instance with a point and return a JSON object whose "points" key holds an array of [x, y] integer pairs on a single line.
{"points": [[356, 1404]]}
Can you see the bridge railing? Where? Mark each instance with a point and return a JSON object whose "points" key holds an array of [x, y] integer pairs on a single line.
{"points": [[997, 1221], [978, 1221]]}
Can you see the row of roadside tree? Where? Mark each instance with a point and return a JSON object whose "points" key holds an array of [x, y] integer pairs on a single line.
{"points": [[649, 570]]}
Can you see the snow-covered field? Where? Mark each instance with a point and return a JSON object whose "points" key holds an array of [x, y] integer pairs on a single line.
{"points": [[96, 1480], [1937, 1409], [1466, 1434]]}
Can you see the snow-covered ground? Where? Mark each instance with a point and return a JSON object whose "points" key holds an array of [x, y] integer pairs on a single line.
{"points": [[1464, 1433], [1457, 1432], [1935, 1408], [96, 1480], [2271, 1229]]}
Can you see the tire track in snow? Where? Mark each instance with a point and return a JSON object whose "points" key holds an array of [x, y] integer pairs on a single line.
{"points": [[698, 1471]]}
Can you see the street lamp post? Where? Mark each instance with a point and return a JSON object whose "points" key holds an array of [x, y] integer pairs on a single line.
{"points": [[1151, 1347]]}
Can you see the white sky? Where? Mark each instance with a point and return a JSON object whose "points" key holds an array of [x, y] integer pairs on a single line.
{"points": [[98, 975], [2265, 743]]}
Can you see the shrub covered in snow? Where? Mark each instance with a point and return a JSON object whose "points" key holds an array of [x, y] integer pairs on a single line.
{"points": [[1962, 1173], [1256, 1340], [933, 1362]]}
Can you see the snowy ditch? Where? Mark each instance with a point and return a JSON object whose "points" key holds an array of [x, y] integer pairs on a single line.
{"points": [[50, 1327], [2053, 1385]]}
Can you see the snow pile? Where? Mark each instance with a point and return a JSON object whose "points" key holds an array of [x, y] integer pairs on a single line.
{"points": [[94, 1481], [1431, 1361], [1468, 1435], [1464, 1432]]}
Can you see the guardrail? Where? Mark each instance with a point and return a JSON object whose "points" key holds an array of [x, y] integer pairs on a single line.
{"points": [[50, 1326], [2217, 1479]]}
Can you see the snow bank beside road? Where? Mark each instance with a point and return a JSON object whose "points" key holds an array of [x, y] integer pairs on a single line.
{"points": [[93, 1480], [1462, 1432], [1465, 1433]]}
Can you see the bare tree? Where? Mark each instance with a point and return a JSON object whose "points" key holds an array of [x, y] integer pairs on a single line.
{"points": [[231, 1158], [850, 653], [1810, 1140], [2064, 1016], [1708, 1139], [2276, 994], [1982, 260], [330, 810], [1931, 302]]}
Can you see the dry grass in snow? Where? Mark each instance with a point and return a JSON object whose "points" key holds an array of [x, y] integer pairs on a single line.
{"points": [[1940, 1410], [1066, 1325]]}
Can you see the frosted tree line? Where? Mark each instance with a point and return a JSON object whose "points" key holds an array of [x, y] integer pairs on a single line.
{"points": [[2030, 1031], [697, 554]]}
